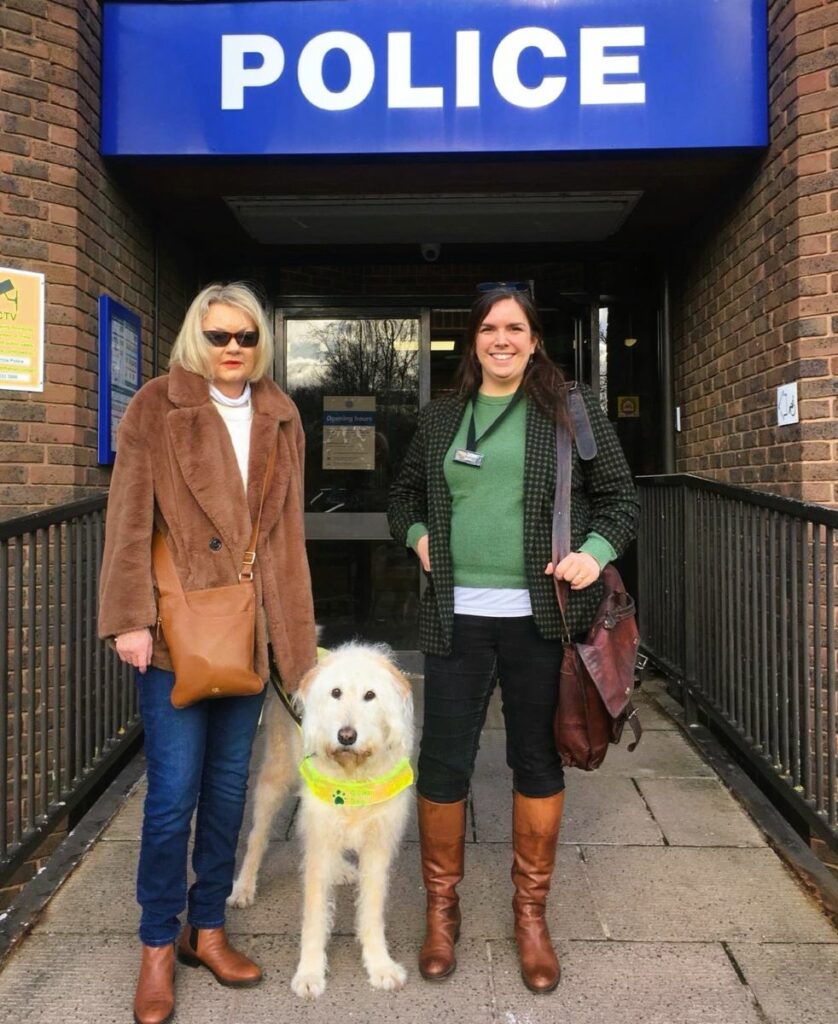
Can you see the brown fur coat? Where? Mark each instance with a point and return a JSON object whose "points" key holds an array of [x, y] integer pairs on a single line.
{"points": [[176, 470]]}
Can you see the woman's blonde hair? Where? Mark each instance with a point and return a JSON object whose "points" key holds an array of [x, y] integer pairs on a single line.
{"points": [[191, 349]]}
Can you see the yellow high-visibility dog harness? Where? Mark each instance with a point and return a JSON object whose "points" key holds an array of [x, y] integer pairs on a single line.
{"points": [[343, 793]]}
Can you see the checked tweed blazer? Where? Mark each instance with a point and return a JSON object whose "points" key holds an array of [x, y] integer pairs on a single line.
{"points": [[603, 500]]}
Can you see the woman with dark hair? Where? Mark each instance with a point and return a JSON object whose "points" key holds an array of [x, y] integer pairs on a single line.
{"points": [[474, 499]]}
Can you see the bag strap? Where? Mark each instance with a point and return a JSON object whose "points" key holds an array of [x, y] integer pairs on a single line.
{"points": [[587, 448], [583, 434], [164, 566], [634, 724], [168, 581], [249, 559], [561, 518]]}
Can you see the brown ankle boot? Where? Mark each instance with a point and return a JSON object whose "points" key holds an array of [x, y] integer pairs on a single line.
{"points": [[208, 947], [535, 833], [154, 1002], [442, 831]]}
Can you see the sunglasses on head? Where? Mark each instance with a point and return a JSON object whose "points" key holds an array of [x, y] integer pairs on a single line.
{"points": [[247, 339], [512, 286]]}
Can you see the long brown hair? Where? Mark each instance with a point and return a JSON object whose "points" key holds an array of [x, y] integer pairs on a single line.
{"points": [[544, 382]]}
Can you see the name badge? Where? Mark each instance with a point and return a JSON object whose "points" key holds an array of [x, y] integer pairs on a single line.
{"points": [[468, 458]]}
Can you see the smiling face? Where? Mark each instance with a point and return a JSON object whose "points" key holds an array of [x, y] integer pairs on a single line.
{"points": [[231, 366], [503, 346]]}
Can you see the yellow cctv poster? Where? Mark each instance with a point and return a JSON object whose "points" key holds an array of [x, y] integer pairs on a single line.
{"points": [[21, 330]]}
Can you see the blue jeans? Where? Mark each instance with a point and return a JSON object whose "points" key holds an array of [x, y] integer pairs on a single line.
{"points": [[197, 756]]}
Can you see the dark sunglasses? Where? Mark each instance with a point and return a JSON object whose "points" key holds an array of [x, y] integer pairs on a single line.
{"points": [[513, 286], [247, 339]]}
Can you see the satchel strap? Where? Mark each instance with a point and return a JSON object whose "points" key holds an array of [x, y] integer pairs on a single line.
{"points": [[583, 434], [168, 580], [587, 448], [634, 722], [249, 559], [561, 517]]}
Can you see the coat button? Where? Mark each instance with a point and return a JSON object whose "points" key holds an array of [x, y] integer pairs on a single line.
{"points": [[215, 544]]}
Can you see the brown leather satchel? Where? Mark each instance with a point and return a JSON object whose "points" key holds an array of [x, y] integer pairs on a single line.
{"points": [[210, 633], [597, 675]]}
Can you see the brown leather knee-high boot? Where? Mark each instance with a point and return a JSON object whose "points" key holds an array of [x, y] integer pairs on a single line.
{"points": [[442, 831], [535, 833]]}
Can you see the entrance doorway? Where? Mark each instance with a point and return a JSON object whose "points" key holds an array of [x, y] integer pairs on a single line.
{"points": [[354, 375]]}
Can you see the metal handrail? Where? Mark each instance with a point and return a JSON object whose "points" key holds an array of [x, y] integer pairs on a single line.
{"points": [[68, 710], [821, 514], [737, 596]]}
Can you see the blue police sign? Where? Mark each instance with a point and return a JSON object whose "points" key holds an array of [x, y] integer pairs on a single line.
{"points": [[431, 76]]}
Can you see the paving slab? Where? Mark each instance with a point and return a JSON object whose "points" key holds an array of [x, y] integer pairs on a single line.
{"points": [[598, 809], [486, 897], [627, 983], [699, 812], [98, 974], [101, 890], [677, 894], [661, 754], [792, 983]]}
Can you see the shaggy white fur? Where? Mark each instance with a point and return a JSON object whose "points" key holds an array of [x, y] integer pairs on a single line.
{"points": [[357, 725]]}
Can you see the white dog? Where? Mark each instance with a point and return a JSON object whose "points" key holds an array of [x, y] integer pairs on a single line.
{"points": [[357, 737]]}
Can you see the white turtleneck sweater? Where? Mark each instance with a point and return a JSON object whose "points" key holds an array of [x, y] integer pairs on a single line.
{"points": [[237, 414]]}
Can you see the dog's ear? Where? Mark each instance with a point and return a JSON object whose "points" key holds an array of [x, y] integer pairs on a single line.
{"points": [[405, 690], [401, 681], [301, 692]]}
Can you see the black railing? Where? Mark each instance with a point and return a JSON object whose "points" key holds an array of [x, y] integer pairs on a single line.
{"points": [[68, 709], [737, 603]]}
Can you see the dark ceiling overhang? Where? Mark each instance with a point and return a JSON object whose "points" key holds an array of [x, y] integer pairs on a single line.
{"points": [[606, 202]]}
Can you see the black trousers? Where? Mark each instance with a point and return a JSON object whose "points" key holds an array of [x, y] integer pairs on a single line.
{"points": [[457, 692]]}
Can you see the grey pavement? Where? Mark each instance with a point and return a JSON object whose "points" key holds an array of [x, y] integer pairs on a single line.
{"points": [[668, 907]]}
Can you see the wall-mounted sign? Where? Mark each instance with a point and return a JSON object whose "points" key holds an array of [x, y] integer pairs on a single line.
{"points": [[374, 76], [120, 371], [348, 432], [628, 407], [788, 411], [21, 330]]}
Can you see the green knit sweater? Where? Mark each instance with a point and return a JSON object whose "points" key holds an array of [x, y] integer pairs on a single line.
{"points": [[487, 504]]}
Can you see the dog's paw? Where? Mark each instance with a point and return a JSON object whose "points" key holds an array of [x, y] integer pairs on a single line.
{"points": [[387, 975], [243, 894], [308, 984]]}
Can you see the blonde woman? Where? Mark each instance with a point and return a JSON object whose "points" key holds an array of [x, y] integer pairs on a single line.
{"points": [[193, 448]]}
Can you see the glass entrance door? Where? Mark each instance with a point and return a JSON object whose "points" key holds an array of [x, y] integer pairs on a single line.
{"points": [[355, 379]]}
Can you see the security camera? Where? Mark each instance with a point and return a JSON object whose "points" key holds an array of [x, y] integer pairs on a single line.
{"points": [[430, 251]]}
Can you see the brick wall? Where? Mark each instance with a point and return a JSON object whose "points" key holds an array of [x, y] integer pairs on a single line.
{"points": [[755, 302], [62, 214]]}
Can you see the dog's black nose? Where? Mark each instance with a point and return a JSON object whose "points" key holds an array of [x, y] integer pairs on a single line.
{"points": [[347, 736]]}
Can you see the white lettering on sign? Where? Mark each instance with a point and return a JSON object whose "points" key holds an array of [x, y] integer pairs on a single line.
{"points": [[361, 71], [401, 93], [235, 77], [505, 68], [595, 64], [596, 67], [468, 69]]}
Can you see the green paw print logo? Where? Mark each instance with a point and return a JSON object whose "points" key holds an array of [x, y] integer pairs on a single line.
{"points": [[339, 797]]}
